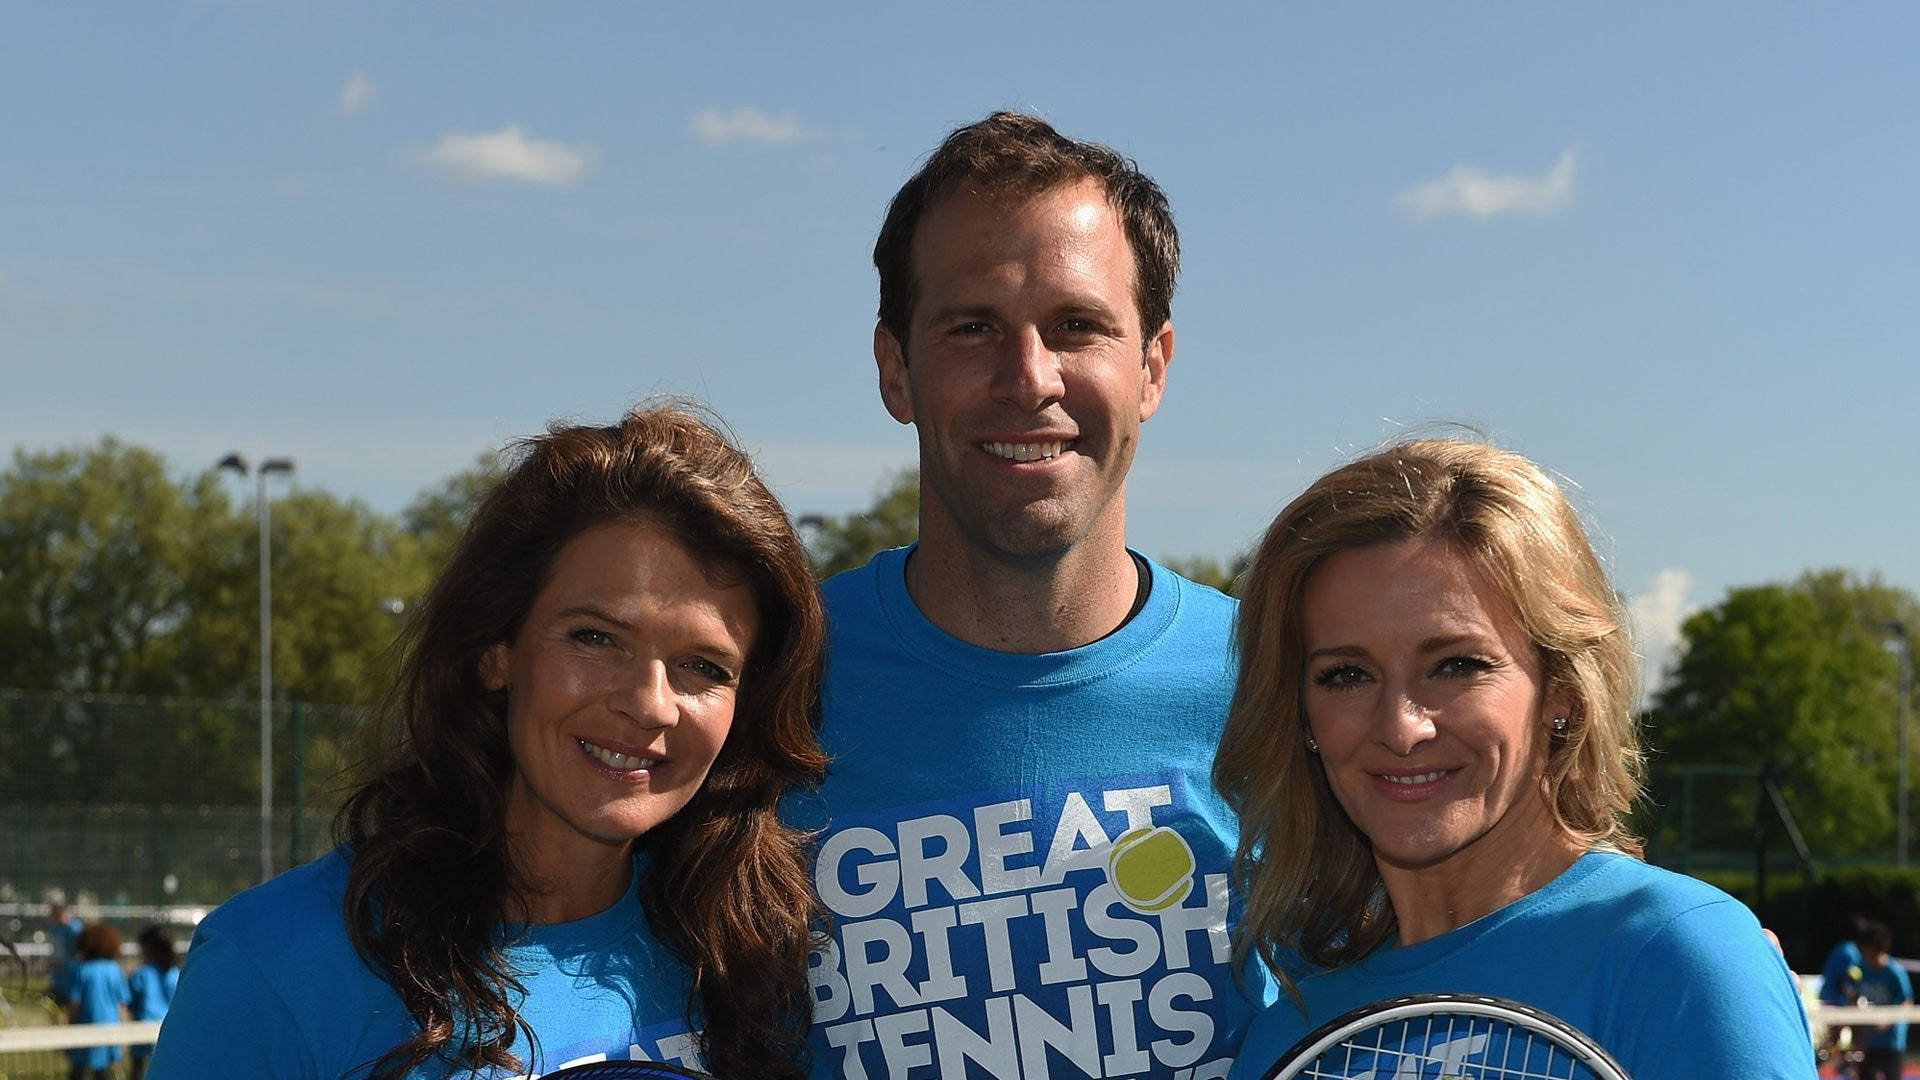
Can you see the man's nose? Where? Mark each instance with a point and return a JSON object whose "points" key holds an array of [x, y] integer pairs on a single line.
{"points": [[1028, 376]]}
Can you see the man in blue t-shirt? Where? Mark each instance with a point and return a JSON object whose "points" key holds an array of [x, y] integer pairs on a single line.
{"points": [[1026, 864]]}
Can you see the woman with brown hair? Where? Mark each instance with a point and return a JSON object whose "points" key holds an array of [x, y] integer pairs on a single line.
{"points": [[1432, 752], [568, 849]]}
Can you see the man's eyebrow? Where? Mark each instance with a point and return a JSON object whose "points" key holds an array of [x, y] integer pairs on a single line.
{"points": [[954, 311], [593, 611]]}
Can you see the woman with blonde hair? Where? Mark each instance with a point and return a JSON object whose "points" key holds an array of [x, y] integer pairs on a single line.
{"points": [[568, 849], [1432, 753]]}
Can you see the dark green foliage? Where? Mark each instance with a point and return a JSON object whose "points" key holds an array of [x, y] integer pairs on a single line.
{"points": [[437, 517], [116, 578], [842, 543], [1794, 681], [1208, 571], [98, 562]]}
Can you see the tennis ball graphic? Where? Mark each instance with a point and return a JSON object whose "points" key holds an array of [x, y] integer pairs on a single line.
{"points": [[1151, 869]]}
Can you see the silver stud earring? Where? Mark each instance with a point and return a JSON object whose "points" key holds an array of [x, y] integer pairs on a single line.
{"points": [[1559, 725], [1312, 747]]}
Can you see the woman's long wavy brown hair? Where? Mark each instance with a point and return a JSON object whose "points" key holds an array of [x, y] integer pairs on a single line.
{"points": [[1313, 890], [727, 887]]}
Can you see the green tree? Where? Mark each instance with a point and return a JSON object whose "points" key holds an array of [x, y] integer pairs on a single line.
{"points": [[106, 564], [842, 543], [334, 563], [1208, 571], [96, 549], [437, 517], [1795, 682]]}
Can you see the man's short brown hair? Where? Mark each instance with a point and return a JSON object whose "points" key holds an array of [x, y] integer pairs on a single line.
{"points": [[1012, 154]]}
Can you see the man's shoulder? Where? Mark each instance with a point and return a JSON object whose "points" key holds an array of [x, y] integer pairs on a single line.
{"points": [[1190, 618], [1205, 601], [860, 585]]}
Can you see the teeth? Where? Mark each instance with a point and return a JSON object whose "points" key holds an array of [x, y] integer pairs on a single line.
{"points": [[1409, 781], [613, 760], [1042, 451]]}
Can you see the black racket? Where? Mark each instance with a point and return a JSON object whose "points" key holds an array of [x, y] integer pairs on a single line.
{"points": [[1446, 1037], [625, 1070]]}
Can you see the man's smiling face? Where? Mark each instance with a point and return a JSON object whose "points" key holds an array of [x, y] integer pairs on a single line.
{"points": [[1025, 373]]}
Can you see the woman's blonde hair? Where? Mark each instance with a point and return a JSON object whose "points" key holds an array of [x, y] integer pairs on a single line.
{"points": [[1313, 890]]}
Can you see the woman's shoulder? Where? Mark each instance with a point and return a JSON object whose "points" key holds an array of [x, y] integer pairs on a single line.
{"points": [[295, 910], [1637, 893], [322, 880], [271, 986], [1659, 917]]}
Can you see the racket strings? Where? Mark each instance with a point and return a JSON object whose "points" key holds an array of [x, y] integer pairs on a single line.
{"points": [[1446, 1046]]}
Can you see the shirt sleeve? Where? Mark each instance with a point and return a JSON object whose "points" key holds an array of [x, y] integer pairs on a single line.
{"points": [[1725, 1005], [228, 1022]]}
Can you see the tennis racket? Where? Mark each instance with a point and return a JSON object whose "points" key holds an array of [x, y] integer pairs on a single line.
{"points": [[1446, 1037], [626, 1070]]}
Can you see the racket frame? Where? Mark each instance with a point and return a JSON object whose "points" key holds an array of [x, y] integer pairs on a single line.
{"points": [[1412, 1006]]}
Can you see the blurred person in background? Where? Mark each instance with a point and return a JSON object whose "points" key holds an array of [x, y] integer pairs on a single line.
{"points": [[63, 931], [152, 985], [98, 995], [1883, 981], [1840, 985], [568, 850], [1432, 752]]}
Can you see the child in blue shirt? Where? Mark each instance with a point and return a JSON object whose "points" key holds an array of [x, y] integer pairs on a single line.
{"points": [[98, 995], [152, 986]]}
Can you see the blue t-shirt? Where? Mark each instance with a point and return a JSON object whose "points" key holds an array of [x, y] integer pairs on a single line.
{"points": [[1025, 860], [1840, 978], [152, 991], [272, 988], [64, 962], [1885, 985], [99, 989], [1671, 976]]}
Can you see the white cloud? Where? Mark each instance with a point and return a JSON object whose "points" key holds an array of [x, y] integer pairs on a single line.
{"points": [[357, 93], [1471, 191], [512, 154], [1657, 612], [719, 127]]}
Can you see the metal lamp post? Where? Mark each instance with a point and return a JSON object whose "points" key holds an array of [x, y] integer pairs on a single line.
{"points": [[270, 465], [1899, 629]]}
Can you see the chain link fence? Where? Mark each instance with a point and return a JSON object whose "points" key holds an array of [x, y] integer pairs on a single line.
{"points": [[151, 801]]}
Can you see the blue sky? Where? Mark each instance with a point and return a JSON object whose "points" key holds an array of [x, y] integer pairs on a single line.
{"points": [[1667, 250]]}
